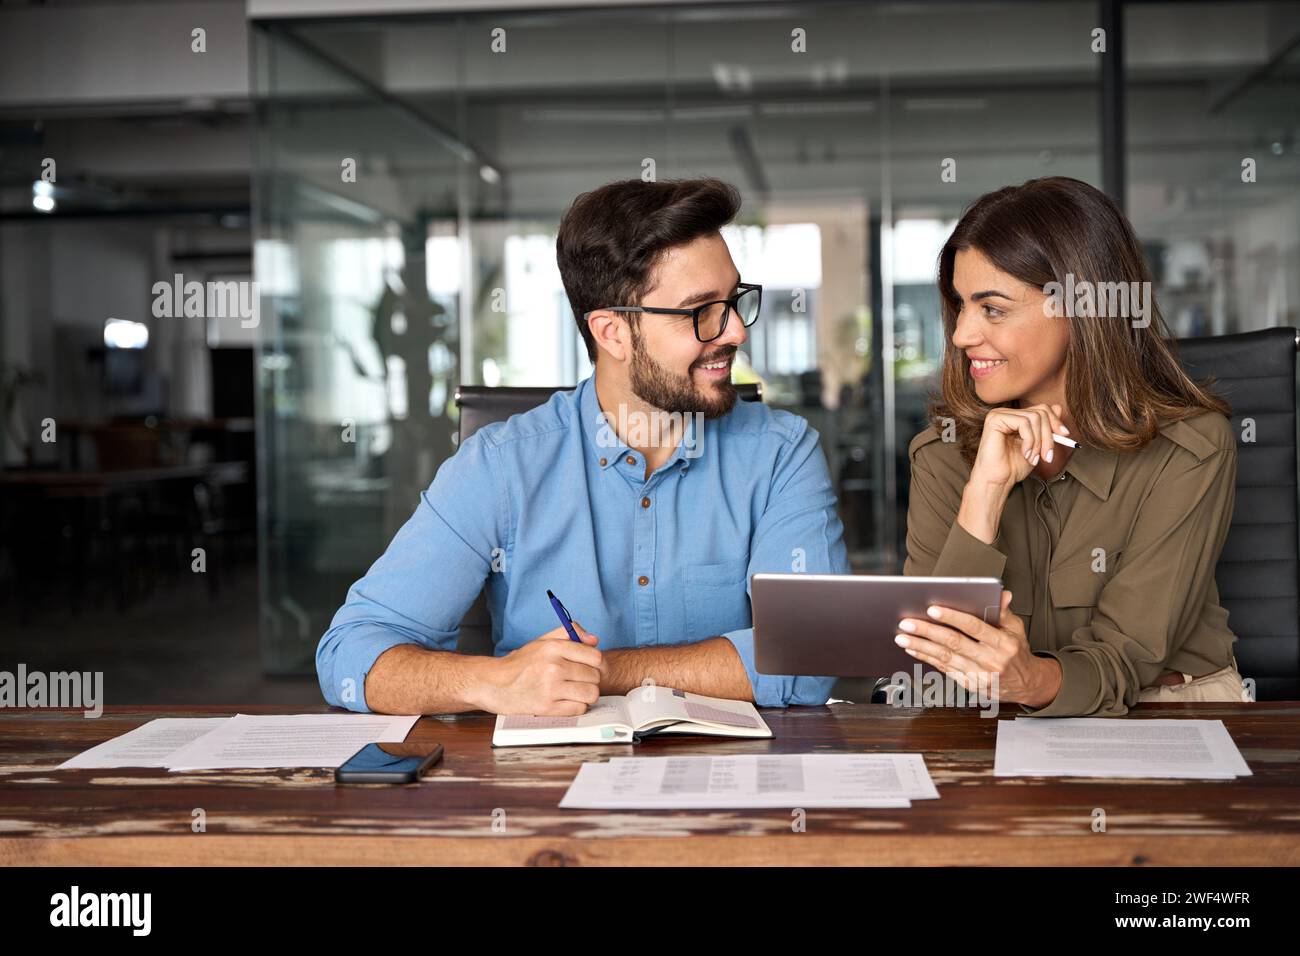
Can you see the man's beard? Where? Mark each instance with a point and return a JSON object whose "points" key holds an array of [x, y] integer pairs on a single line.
{"points": [[669, 392]]}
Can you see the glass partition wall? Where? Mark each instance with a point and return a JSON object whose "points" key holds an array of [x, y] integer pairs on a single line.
{"points": [[411, 173], [358, 259], [1213, 137]]}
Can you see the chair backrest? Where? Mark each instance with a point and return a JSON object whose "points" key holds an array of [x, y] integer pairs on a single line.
{"points": [[479, 406], [1258, 574]]}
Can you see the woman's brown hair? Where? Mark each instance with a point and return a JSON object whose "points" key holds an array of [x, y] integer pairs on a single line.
{"points": [[1122, 382]]}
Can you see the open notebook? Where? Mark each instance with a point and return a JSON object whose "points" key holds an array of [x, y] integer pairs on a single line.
{"points": [[623, 720]]}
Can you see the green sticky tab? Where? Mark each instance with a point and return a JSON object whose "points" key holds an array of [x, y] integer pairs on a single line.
{"points": [[607, 732]]}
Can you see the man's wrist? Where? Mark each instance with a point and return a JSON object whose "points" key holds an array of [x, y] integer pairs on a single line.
{"points": [[612, 680], [478, 682]]}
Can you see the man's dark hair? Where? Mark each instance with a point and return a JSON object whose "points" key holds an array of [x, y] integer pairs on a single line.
{"points": [[612, 238]]}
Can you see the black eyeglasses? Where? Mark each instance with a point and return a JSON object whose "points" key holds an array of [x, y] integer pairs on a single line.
{"points": [[709, 319]]}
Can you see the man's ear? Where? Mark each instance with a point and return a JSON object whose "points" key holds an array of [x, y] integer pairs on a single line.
{"points": [[611, 334]]}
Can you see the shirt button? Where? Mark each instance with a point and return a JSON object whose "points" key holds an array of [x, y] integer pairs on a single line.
{"points": [[645, 502], [643, 580], [631, 460], [602, 463]]}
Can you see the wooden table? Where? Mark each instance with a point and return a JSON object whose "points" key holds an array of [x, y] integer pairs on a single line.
{"points": [[140, 816]]}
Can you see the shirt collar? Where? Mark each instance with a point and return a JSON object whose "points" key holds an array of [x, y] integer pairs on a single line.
{"points": [[1095, 469], [608, 449]]}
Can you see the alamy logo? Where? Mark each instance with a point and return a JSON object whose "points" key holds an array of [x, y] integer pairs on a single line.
{"points": [[933, 689], [57, 689], [651, 430], [1108, 300], [103, 909], [212, 300]]}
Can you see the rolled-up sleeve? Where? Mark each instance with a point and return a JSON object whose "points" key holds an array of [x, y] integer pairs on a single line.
{"points": [[799, 530], [1157, 593], [774, 690], [422, 585]]}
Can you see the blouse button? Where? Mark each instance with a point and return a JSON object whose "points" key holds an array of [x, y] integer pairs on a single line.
{"points": [[631, 460], [602, 463], [645, 502], [643, 580]]}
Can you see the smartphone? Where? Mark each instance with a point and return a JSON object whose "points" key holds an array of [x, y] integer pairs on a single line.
{"points": [[388, 763]]}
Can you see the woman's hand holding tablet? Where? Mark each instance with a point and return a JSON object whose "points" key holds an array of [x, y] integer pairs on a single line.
{"points": [[982, 658]]}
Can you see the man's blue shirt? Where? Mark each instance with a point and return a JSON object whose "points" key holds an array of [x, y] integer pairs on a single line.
{"points": [[553, 499]]}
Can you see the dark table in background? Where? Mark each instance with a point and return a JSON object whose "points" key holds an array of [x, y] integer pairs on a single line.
{"points": [[143, 816], [75, 526]]}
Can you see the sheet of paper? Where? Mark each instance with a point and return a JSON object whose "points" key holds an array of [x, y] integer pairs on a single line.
{"points": [[149, 745], [770, 780], [299, 740], [1110, 747]]}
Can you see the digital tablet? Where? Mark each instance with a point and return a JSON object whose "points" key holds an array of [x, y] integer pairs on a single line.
{"points": [[843, 625]]}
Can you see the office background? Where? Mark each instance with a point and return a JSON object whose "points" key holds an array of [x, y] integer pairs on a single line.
{"points": [[291, 452]]}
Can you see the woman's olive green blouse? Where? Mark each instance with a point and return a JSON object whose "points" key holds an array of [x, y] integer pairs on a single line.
{"points": [[1110, 564]]}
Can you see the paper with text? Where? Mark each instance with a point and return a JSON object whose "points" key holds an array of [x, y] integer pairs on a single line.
{"points": [[149, 745], [773, 780], [299, 740], [1115, 747]]}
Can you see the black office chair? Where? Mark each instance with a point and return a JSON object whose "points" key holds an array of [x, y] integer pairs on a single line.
{"points": [[1258, 572], [479, 406]]}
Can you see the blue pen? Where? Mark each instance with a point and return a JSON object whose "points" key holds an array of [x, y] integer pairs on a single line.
{"points": [[562, 613]]}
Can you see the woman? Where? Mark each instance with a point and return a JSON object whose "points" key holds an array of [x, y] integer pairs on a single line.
{"points": [[1107, 550]]}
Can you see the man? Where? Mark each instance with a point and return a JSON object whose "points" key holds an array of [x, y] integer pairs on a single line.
{"points": [[644, 499]]}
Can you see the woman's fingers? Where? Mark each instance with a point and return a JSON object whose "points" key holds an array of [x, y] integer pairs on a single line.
{"points": [[1029, 430], [1059, 422], [1028, 438], [1022, 425], [1055, 423], [937, 655], [1043, 419], [968, 624], [948, 646], [1035, 425]]}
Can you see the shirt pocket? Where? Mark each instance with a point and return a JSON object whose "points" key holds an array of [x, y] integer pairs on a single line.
{"points": [[1076, 585], [717, 598]]}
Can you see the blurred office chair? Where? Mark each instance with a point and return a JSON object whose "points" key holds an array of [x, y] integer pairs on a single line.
{"points": [[1258, 573], [479, 406]]}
